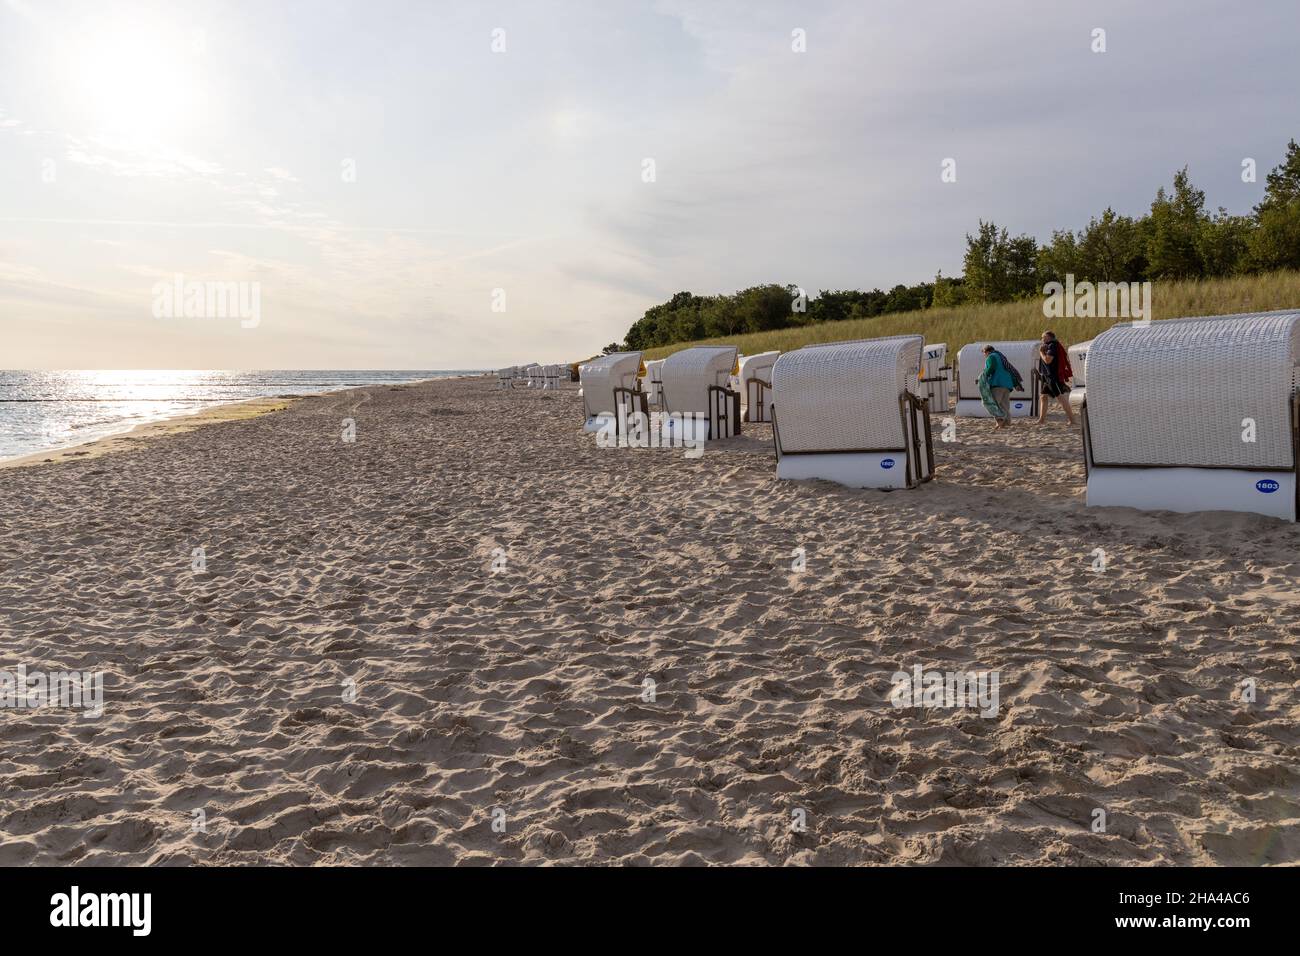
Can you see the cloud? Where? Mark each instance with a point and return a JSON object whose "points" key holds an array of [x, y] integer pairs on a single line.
{"points": [[523, 170]]}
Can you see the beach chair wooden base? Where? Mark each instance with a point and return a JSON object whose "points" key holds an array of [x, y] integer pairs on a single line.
{"points": [[724, 412], [628, 402], [757, 399]]}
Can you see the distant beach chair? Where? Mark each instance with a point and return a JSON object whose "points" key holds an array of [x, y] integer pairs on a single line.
{"points": [[610, 390], [650, 383], [1195, 415], [970, 363], [506, 377], [696, 395], [755, 385], [936, 376], [1078, 361], [847, 412]]}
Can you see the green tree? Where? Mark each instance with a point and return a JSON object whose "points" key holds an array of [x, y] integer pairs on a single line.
{"points": [[903, 298], [998, 268], [834, 306], [1112, 249], [1059, 258], [766, 307], [1282, 185], [948, 293], [1275, 242], [1176, 223], [1224, 243]]}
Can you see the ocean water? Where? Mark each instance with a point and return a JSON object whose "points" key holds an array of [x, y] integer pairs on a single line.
{"points": [[45, 410]]}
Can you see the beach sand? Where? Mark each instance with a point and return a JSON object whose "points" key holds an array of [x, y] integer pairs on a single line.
{"points": [[519, 697]]}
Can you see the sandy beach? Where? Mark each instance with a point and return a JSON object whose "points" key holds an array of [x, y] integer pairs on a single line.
{"points": [[449, 623]]}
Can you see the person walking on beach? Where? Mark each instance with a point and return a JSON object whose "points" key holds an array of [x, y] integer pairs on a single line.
{"points": [[1054, 374], [996, 384]]}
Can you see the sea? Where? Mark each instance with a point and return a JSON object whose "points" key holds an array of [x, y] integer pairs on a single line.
{"points": [[40, 411]]}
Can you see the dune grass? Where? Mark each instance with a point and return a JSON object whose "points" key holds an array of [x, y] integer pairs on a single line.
{"points": [[1024, 320]]}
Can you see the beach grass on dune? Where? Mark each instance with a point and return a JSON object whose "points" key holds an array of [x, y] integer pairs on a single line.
{"points": [[1024, 319]]}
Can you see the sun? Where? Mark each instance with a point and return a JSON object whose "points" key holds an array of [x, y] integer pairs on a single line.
{"points": [[136, 77]]}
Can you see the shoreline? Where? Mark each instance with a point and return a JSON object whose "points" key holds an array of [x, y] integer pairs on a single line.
{"points": [[129, 439], [175, 424]]}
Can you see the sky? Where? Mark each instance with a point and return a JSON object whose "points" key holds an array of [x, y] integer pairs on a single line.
{"points": [[477, 184]]}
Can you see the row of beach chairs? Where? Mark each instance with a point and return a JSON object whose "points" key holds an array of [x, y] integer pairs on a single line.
{"points": [[1181, 415], [533, 376]]}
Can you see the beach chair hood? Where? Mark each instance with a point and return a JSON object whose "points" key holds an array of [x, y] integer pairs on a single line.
{"points": [[844, 397], [601, 376], [1178, 392], [687, 375]]}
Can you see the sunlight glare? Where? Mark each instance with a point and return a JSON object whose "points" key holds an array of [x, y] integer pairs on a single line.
{"points": [[137, 76]]}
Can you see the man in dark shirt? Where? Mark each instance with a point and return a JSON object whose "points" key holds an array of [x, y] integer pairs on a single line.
{"points": [[1051, 359]]}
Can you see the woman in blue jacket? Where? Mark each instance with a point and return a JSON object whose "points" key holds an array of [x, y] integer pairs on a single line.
{"points": [[996, 384]]}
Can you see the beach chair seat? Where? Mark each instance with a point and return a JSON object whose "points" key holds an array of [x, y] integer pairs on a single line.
{"points": [[1195, 414], [651, 383], [1078, 361], [847, 412], [936, 377], [755, 385]]}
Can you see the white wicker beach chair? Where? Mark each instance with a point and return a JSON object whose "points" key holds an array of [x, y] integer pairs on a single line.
{"points": [[609, 387], [506, 377], [847, 412], [733, 380], [1195, 415], [650, 383], [755, 385], [1078, 361], [936, 377], [696, 395], [970, 362]]}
